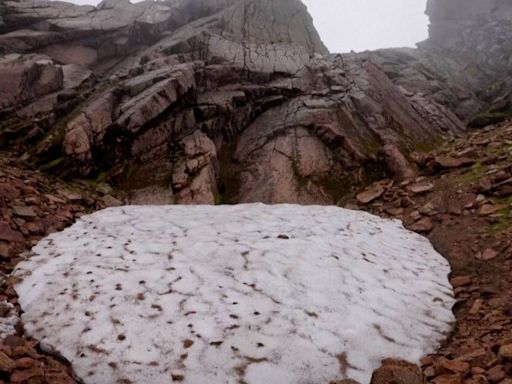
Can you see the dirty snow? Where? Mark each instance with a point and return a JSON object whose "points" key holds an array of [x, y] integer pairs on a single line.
{"points": [[250, 293], [8, 320]]}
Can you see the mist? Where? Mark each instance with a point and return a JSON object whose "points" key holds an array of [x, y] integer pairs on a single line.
{"points": [[348, 25]]}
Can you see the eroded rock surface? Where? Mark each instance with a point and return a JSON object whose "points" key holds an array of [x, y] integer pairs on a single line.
{"points": [[121, 90], [465, 65]]}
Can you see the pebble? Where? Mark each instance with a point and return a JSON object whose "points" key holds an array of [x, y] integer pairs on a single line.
{"points": [[421, 188], [505, 352], [460, 281]]}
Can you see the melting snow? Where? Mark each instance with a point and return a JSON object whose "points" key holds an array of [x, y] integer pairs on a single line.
{"points": [[250, 293], [9, 319]]}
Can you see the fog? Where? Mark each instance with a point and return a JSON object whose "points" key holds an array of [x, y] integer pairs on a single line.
{"points": [[359, 25]]}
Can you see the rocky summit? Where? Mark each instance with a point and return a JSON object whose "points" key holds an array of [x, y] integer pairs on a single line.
{"points": [[239, 101]]}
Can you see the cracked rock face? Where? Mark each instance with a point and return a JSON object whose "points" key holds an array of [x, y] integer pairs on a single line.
{"points": [[247, 293], [466, 64], [120, 91]]}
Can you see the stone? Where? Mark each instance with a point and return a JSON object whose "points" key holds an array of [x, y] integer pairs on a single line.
{"points": [[430, 372], [8, 234], [429, 209], [489, 209], [23, 211], [421, 188], [397, 372], [5, 250], [111, 201], [14, 342], [485, 184], [477, 371], [424, 225], [448, 379], [55, 199], [59, 377], [455, 366], [461, 281], [453, 162], [8, 192], [475, 308], [395, 211], [496, 374], [371, 194], [487, 255], [33, 228], [505, 352], [476, 353], [70, 195], [26, 363], [426, 361], [399, 166], [504, 190], [20, 376], [6, 363]]}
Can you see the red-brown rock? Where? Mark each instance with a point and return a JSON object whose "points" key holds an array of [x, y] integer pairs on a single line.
{"points": [[397, 372], [8, 234]]}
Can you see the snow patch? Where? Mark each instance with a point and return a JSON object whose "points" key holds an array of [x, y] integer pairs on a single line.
{"points": [[250, 293], [9, 319]]}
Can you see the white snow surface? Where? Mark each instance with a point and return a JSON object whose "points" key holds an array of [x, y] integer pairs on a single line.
{"points": [[250, 294]]}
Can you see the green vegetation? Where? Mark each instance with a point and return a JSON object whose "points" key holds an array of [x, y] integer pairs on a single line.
{"points": [[102, 176], [505, 220], [485, 119], [219, 199], [472, 174], [52, 164], [501, 226]]}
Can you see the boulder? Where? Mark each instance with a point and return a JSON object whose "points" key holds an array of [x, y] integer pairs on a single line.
{"points": [[397, 372]]}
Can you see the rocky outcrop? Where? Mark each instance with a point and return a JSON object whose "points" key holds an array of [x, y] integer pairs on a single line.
{"points": [[26, 77], [220, 101], [205, 101], [466, 64], [471, 41]]}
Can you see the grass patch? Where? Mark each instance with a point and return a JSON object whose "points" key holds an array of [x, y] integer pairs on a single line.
{"points": [[473, 174], [501, 226], [52, 164], [102, 176], [485, 119], [505, 221]]}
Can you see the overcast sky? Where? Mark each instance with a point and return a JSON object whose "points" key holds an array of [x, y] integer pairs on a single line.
{"points": [[358, 25]]}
